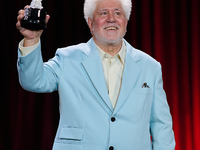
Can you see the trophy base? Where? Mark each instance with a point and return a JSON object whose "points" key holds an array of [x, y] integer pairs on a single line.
{"points": [[34, 19]]}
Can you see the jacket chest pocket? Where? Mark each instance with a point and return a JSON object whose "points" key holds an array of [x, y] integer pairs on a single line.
{"points": [[138, 105], [141, 98]]}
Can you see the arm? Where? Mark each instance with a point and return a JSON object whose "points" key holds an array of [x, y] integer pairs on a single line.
{"points": [[33, 74], [161, 120], [36, 76]]}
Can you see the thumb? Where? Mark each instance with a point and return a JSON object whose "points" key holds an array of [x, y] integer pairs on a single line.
{"points": [[47, 19]]}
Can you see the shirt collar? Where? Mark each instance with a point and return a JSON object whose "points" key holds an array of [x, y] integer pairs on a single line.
{"points": [[121, 53]]}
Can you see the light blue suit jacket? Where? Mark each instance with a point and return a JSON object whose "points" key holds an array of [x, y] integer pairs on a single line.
{"points": [[85, 108]]}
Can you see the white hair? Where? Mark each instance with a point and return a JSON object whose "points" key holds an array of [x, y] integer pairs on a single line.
{"points": [[90, 5]]}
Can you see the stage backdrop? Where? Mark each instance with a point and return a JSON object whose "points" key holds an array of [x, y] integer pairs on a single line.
{"points": [[168, 30]]}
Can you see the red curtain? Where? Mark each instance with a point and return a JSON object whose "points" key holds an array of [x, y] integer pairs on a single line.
{"points": [[167, 30]]}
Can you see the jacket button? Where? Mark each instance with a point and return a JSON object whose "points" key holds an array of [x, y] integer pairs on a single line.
{"points": [[113, 119], [111, 148]]}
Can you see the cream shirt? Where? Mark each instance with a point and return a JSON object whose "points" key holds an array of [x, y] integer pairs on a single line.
{"points": [[26, 50], [112, 66], [113, 70]]}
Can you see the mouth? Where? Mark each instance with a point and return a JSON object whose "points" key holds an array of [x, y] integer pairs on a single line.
{"points": [[111, 28]]}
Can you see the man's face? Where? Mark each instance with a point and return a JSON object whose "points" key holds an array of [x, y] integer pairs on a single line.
{"points": [[109, 22]]}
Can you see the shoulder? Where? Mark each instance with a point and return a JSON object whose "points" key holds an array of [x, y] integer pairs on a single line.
{"points": [[72, 50], [141, 58], [75, 52]]}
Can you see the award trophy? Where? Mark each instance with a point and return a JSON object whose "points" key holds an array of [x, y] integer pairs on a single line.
{"points": [[34, 17]]}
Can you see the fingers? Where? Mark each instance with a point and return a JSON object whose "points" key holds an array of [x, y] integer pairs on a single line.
{"points": [[20, 17], [21, 13], [47, 19], [27, 6]]}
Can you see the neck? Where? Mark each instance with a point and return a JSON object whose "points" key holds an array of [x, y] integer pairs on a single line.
{"points": [[109, 48]]}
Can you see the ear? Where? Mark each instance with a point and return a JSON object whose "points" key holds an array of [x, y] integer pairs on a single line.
{"points": [[126, 24], [90, 24]]}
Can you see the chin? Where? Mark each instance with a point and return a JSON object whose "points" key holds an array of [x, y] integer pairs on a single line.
{"points": [[108, 40], [113, 40]]}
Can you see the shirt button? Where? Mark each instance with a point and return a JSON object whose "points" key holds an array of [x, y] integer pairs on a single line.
{"points": [[111, 148], [113, 119]]}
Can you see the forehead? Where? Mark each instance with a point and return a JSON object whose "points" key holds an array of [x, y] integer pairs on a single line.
{"points": [[108, 4]]}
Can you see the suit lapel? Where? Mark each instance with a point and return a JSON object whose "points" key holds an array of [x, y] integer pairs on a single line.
{"points": [[93, 67], [130, 76]]}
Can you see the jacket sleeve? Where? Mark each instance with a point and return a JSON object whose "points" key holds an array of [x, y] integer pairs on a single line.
{"points": [[36, 76], [161, 120]]}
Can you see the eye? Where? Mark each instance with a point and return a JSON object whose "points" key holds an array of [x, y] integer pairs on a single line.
{"points": [[103, 13], [118, 13]]}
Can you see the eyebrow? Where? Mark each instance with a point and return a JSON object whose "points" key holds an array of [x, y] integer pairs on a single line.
{"points": [[116, 9]]}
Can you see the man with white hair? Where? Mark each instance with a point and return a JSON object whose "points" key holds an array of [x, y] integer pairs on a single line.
{"points": [[111, 95]]}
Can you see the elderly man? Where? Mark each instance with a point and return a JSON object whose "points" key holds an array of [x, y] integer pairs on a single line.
{"points": [[111, 95]]}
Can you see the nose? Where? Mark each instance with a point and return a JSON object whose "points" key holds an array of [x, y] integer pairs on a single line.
{"points": [[111, 17]]}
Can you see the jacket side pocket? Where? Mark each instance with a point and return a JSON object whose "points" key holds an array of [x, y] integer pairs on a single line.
{"points": [[71, 133]]}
